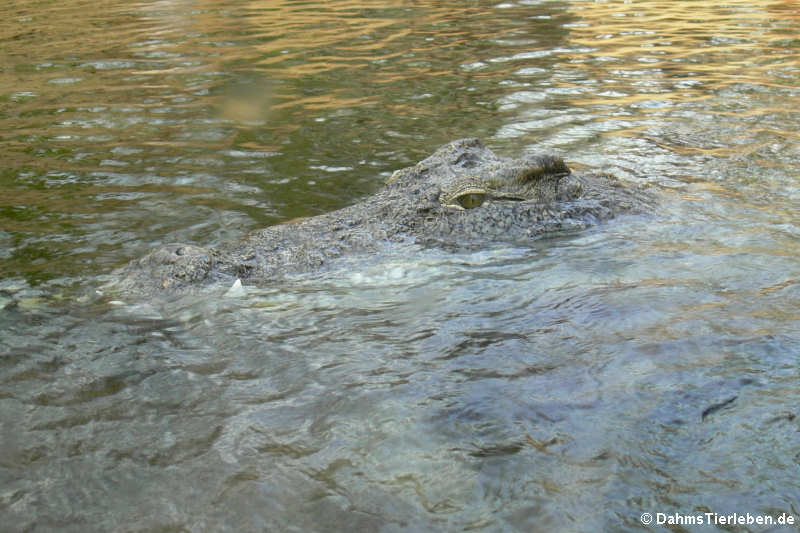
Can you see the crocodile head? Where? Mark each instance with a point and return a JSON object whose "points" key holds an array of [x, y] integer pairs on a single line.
{"points": [[468, 194], [537, 179]]}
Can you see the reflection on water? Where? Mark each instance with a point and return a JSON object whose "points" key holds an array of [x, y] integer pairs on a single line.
{"points": [[270, 110], [647, 365]]}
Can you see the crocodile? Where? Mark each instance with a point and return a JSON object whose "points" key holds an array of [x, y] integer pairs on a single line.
{"points": [[463, 195]]}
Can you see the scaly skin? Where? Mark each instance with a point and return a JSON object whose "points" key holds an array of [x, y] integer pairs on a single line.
{"points": [[461, 196]]}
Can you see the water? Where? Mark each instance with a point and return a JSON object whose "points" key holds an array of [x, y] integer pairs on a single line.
{"points": [[646, 365]]}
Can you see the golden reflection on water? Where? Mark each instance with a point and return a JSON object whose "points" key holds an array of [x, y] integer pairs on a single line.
{"points": [[677, 47]]}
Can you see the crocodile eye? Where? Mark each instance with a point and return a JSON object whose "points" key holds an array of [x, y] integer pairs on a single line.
{"points": [[471, 200], [465, 198]]}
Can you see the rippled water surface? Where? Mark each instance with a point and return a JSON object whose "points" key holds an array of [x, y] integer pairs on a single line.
{"points": [[648, 365]]}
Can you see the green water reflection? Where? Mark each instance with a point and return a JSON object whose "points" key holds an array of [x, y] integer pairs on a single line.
{"points": [[277, 109], [298, 109]]}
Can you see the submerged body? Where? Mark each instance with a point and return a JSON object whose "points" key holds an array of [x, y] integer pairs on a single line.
{"points": [[463, 195]]}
